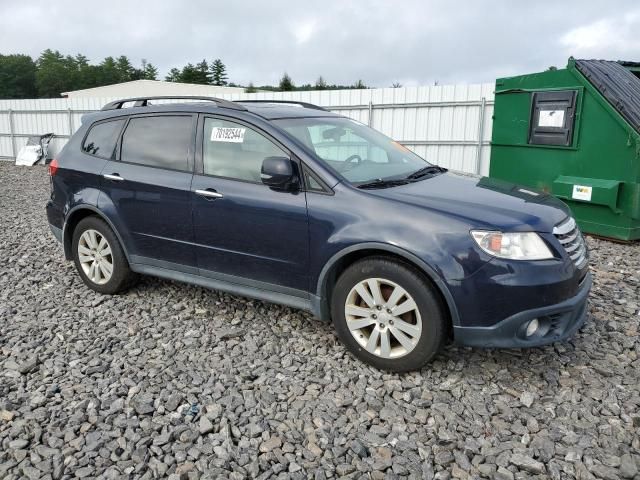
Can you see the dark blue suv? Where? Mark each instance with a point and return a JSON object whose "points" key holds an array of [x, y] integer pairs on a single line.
{"points": [[287, 202]]}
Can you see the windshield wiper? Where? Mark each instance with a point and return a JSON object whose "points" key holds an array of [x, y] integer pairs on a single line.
{"points": [[380, 183], [428, 170]]}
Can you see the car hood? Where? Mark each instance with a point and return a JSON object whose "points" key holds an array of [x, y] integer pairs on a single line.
{"points": [[482, 202]]}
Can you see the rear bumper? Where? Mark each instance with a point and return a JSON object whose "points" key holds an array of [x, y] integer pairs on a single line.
{"points": [[57, 232], [55, 219], [558, 322]]}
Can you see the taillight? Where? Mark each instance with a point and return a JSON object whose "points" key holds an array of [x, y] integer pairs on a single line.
{"points": [[53, 167]]}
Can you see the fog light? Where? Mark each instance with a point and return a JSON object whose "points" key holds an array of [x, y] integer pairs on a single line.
{"points": [[532, 327]]}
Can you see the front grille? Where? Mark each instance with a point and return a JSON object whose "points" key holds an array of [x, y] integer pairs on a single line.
{"points": [[569, 235]]}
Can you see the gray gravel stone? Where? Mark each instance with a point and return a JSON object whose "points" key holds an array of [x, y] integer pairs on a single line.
{"points": [[273, 442], [359, 449], [503, 474], [527, 464], [18, 443], [205, 426], [628, 468], [173, 402], [175, 381], [487, 470]]}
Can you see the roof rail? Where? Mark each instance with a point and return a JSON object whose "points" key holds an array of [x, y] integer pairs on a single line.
{"points": [[144, 101], [286, 102]]}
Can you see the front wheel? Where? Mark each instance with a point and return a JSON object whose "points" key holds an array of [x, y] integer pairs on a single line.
{"points": [[99, 258], [388, 315]]}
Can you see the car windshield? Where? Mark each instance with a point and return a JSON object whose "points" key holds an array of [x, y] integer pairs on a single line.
{"points": [[357, 152]]}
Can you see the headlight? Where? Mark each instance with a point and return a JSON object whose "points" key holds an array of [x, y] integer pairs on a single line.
{"points": [[512, 245]]}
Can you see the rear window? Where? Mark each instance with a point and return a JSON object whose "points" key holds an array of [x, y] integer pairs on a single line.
{"points": [[102, 138], [161, 141]]}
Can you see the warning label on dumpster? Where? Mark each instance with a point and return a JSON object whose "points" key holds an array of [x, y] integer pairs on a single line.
{"points": [[581, 192], [551, 118]]}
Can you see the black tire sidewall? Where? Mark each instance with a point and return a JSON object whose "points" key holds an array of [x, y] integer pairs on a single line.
{"points": [[121, 276], [431, 312]]}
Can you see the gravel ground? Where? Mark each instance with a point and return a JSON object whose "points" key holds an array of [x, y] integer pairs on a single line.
{"points": [[170, 380]]}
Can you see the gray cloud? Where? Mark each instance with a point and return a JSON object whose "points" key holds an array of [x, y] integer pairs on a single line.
{"points": [[412, 41]]}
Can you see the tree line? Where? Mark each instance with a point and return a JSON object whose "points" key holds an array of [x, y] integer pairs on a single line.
{"points": [[53, 73]]}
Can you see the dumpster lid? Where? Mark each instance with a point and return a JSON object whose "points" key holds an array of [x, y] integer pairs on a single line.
{"points": [[617, 84]]}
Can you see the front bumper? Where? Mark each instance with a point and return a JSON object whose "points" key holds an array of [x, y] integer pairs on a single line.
{"points": [[558, 322]]}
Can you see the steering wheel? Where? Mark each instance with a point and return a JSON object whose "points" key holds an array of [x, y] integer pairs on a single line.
{"points": [[352, 161]]}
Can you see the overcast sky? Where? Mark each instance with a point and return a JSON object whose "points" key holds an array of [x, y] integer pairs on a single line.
{"points": [[412, 42]]}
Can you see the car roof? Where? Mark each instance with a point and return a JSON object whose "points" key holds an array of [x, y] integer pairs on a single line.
{"points": [[264, 109], [274, 110]]}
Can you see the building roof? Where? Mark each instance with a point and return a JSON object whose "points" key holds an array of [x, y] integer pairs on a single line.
{"points": [[617, 84], [139, 88]]}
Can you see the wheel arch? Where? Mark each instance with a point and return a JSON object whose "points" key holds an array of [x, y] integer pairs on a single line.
{"points": [[72, 219], [346, 257]]}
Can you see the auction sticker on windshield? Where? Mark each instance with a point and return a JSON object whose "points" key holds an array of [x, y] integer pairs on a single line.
{"points": [[223, 134]]}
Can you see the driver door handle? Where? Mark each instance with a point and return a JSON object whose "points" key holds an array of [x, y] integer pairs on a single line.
{"points": [[209, 193]]}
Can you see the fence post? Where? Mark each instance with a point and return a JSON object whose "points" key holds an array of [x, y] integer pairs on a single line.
{"points": [[483, 105], [12, 135], [70, 118], [370, 113]]}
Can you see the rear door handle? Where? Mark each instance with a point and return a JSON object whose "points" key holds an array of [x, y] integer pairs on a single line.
{"points": [[209, 193], [114, 176]]}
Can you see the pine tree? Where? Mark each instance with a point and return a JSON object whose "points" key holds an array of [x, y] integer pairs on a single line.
{"points": [[321, 84], [125, 69], [109, 71], [17, 76], [218, 73], [359, 85], [286, 84], [189, 74], [174, 75], [54, 74], [150, 72], [250, 89], [202, 73]]}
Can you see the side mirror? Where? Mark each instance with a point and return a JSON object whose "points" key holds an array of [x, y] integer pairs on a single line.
{"points": [[278, 172]]}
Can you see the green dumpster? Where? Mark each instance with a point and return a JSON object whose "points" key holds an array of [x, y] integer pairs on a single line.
{"points": [[575, 133]]}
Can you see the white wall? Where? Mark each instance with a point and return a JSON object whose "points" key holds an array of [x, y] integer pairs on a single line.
{"points": [[440, 123]]}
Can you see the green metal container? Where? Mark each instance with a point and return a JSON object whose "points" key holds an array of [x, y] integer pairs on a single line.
{"points": [[574, 132]]}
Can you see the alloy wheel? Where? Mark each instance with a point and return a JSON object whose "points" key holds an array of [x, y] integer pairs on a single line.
{"points": [[383, 318], [94, 254]]}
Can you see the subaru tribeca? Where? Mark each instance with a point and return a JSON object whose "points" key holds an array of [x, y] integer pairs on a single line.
{"points": [[289, 203]]}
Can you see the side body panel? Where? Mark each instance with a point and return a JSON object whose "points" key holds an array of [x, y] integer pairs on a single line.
{"points": [[153, 206], [77, 181], [252, 231]]}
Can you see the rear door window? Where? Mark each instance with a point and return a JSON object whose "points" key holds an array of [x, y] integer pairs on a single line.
{"points": [[159, 141], [102, 138]]}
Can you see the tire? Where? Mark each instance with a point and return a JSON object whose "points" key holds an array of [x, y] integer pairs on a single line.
{"points": [[85, 249], [422, 329]]}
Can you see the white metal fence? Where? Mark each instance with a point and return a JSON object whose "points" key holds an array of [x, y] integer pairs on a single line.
{"points": [[449, 125]]}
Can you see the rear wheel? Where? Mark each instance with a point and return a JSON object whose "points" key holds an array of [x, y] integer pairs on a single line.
{"points": [[99, 258], [388, 315]]}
